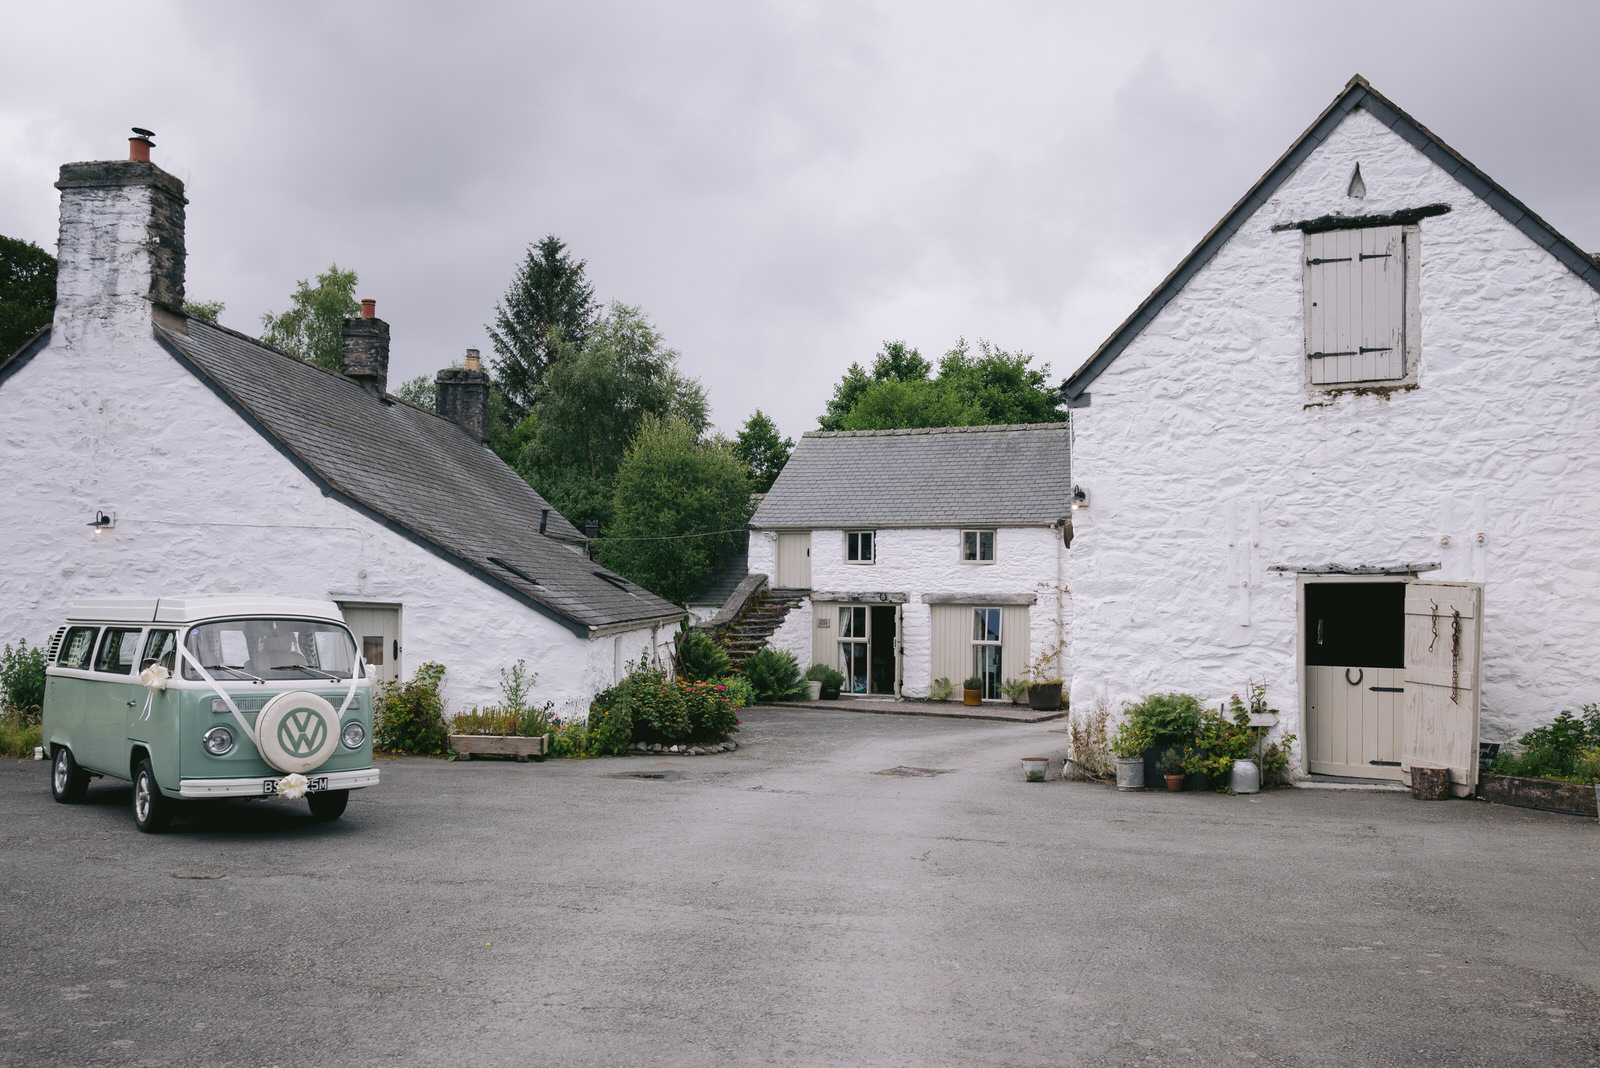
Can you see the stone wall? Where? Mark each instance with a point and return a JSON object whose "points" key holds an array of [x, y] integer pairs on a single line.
{"points": [[1208, 459]]}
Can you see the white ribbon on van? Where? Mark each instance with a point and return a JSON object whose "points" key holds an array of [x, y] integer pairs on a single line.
{"points": [[155, 679], [244, 724]]}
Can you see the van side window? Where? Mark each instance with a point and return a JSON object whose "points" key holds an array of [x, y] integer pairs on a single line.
{"points": [[160, 647], [77, 647], [117, 649]]}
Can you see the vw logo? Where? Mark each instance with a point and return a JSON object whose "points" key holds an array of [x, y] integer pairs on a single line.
{"points": [[301, 732]]}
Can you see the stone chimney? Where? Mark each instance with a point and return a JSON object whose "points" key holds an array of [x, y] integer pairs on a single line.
{"points": [[120, 243], [365, 345], [461, 395]]}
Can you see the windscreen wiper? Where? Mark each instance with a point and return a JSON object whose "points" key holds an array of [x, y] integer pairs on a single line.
{"points": [[236, 671], [310, 670]]}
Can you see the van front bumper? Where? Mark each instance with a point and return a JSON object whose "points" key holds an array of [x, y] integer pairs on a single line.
{"points": [[263, 786]]}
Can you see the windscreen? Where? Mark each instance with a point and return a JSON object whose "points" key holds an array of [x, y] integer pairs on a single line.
{"points": [[274, 649]]}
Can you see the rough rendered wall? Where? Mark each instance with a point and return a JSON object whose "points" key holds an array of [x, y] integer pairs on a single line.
{"points": [[921, 561], [1205, 465], [105, 419]]}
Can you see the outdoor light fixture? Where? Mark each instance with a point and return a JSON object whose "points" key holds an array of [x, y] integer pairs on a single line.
{"points": [[1080, 499], [101, 521]]}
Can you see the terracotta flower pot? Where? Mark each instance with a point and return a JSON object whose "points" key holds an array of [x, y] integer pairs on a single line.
{"points": [[1175, 782]]}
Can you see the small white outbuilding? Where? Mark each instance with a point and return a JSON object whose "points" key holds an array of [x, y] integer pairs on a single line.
{"points": [[1350, 449], [146, 452]]}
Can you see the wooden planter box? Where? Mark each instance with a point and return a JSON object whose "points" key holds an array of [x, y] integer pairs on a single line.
{"points": [[522, 749], [1538, 793]]}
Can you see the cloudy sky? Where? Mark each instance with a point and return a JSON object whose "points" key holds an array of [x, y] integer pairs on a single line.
{"points": [[781, 187]]}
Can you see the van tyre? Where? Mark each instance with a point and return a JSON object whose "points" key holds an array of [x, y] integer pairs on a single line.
{"points": [[328, 804], [152, 811], [68, 782]]}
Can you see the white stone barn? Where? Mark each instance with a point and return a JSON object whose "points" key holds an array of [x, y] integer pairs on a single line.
{"points": [[1354, 433], [921, 554], [215, 463]]}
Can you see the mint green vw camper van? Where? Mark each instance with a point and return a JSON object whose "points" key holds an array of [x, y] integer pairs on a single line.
{"points": [[208, 697]]}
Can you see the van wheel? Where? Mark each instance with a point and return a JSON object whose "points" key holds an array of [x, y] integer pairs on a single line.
{"points": [[68, 782], [151, 811], [328, 804]]}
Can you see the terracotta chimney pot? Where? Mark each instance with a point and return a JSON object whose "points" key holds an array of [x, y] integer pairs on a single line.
{"points": [[369, 309]]}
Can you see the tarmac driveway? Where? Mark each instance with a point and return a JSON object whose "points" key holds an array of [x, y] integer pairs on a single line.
{"points": [[786, 905]]}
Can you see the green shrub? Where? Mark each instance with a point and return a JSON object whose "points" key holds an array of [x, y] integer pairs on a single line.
{"points": [[1129, 739], [650, 706], [18, 737], [1566, 749], [410, 715], [941, 690], [700, 658], [1016, 689], [738, 690], [711, 715], [830, 678], [1167, 719], [657, 706], [22, 681], [571, 739], [774, 675], [1566, 733], [609, 730]]}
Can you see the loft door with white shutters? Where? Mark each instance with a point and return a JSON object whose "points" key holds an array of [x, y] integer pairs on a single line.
{"points": [[377, 631], [793, 564], [1355, 305], [1443, 679], [1354, 671]]}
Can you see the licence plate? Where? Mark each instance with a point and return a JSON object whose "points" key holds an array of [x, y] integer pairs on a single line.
{"points": [[269, 787]]}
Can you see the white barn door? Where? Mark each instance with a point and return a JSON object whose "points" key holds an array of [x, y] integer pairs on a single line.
{"points": [[377, 631], [1443, 680], [793, 563]]}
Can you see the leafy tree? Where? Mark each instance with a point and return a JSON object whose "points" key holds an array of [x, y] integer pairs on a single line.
{"points": [[310, 328], [27, 292], [548, 311], [205, 309], [990, 388], [592, 402], [762, 450], [418, 391], [680, 505]]}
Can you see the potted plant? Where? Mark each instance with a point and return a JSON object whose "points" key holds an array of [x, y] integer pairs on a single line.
{"points": [[517, 728], [1171, 768], [1044, 695], [972, 691], [828, 682], [1015, 689], [1128, 745]]}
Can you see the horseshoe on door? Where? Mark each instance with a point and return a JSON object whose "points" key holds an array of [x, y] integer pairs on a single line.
{"points": [[1361, 674]]}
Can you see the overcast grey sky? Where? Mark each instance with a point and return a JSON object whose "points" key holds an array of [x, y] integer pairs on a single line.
{"points": [[781, 187]]}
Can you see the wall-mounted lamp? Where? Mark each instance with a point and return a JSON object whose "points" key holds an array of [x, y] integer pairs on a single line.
{"points": [[101, 521], [1080, 499]]}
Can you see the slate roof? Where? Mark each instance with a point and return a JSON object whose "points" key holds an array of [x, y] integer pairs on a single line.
{"points": [[726, 578], [418, 473], [1358, 92], [941, 477]]}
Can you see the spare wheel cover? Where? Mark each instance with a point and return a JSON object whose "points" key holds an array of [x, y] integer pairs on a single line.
{"points": [[297, 731]]}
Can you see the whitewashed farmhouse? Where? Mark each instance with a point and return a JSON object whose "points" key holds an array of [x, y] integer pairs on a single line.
{"points": [[148, 453], [1350, 448], [921, 554]]}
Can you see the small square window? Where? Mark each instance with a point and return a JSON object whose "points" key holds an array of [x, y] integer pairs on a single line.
{"points": [[977, 546], [858, 547]]}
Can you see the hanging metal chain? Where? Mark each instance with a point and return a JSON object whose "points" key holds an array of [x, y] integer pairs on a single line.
{"points": [[1455, 657], [1435, 626]]}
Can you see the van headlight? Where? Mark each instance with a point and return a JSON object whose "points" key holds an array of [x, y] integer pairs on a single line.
{"points": [[354, 734], [218, 741]]}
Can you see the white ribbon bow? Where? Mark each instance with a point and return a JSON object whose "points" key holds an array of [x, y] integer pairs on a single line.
{"points": [[154, 677]]}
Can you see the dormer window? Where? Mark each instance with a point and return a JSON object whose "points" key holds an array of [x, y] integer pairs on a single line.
{"points": [[859, 547], [1361, 305]]}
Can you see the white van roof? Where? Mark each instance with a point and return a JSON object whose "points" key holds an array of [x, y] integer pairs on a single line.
{"points": [[196, 607]]}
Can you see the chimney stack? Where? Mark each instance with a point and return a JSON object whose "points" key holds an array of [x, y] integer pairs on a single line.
{"points": [[461, 395], [120, 246], [365, 344]]}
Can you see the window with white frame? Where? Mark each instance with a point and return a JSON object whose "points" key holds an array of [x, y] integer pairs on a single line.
{"points": [[986, 650], [977, 546], [859, 547], [1360, 305]]}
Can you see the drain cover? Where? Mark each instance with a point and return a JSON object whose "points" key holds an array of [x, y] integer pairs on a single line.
{"points": [[903, 772]]}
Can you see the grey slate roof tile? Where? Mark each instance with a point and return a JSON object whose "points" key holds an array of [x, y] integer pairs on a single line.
{"points": [[421, 472], [945, 476]]}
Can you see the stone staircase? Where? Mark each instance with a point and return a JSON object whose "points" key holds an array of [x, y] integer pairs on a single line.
{"points": [[754, 626]]}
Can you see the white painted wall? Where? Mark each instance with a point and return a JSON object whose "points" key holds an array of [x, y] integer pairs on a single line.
{"points": [[914, 562], [104, 419], [1207, 459]]}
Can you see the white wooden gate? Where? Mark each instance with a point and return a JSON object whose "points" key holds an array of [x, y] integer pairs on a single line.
{"points": [[377, 631], [793, 562], [1443, 679]]}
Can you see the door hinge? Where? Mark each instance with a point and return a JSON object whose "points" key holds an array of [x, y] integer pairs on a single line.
{"points": [[1324, 355], [1319, 262], [1376, 255]]}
